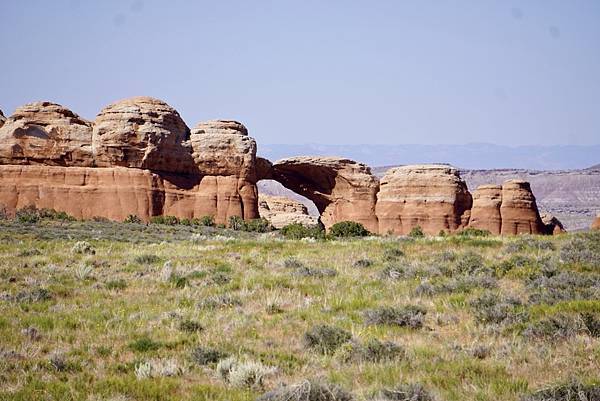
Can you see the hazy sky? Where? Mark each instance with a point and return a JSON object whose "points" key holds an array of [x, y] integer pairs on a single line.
{"points": [[331, 72]]}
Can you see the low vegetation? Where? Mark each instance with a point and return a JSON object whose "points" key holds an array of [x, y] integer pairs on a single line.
{"points": [[176, 310]]}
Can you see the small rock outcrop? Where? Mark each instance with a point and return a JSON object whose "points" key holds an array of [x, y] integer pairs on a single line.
{"points": [[485, 214], [46, 133], [341, 189], [281, 211], [519, 211], [596, 223], [552, 226], [433, 197], [142, 132], [2, 119]]}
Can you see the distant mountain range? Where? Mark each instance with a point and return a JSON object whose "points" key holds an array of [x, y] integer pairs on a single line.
{"points": [[470, 156]]}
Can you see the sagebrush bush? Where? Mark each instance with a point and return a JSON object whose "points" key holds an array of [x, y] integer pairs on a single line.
{"points": [[410, 316], [492, 308], [220, 301], [346, 229], [307, 390], [146, 259], [364, 262], [305, 271], [190, 326], [556, 327], [372, 351], [583, 248], [243, 374], [407, 392], [326, 339], [158, 368], [206, 356], [573, 390], [83, 247]]}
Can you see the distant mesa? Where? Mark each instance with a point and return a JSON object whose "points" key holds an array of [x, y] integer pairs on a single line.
{"points": [[138, 157]]}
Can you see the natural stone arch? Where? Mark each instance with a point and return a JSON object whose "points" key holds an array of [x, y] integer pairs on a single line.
{"points": [[340, 188]]}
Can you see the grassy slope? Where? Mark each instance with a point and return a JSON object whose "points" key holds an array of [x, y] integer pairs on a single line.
{"points": [[109, 311]]}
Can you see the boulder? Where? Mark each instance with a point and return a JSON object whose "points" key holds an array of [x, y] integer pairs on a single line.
{"points": [[281, 211], [485, 214], [433, 197], [341, 189], [552, 226], [519, 210], [142, 132], [45, 133], [596, 223]]}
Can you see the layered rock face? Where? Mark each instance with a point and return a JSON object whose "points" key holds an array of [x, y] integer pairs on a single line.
{"points": [[281, 211], [142, 132], [433, 197], [46, 133], [485, 214], [143, 161], [341, 189], [519, 211], [2, 119]]}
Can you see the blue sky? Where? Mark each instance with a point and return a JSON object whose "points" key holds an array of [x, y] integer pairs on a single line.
{"points": [[331, 72]]}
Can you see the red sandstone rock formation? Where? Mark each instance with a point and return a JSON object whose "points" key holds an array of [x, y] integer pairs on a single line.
{"points": [[433, 197], [142, 132], [146, 162], [340, 188], [552, 226], [485, 214], [281, 211], [46, 133], [596, 223], [117, 192], [519, 211]]}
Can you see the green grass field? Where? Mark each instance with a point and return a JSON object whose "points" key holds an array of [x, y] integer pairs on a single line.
{"points": [[116, 311]]}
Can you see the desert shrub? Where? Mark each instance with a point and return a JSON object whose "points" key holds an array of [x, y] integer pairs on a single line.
{"points": [[525, 242], [409, 316], [364, 262], [392, 254], [491, 308], [292, 263], [407, 392], [144, 344], [372, 351], [206, 356], [260, 225], [58, 362], [146, 259], [236, 223], [167, 220], [220, 301], [219, 278], [565, 286], [416, 232], [206, 221], [190, 326], [555, 327], [299, 231], [305, 271], [573, 390], [592, 323], [345, 229], [30, 252], [469, 263], [83, 247], [243, 374], [118, 284], [582, 248], [33, 295], [473, 232], [132, 218], [28, 214], [409, 271], [158, 368], [326, 339], [307, 390]]}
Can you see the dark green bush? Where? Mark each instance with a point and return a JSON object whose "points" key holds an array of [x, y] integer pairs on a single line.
{"points": [[345, 229], [146, 259], [416, 232], [474, 232], [326, 339], [190, 326], [207, 221], [299, 231], [132, 219], [257, 225], [144, 344], [236, 223], [206, 356]]}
